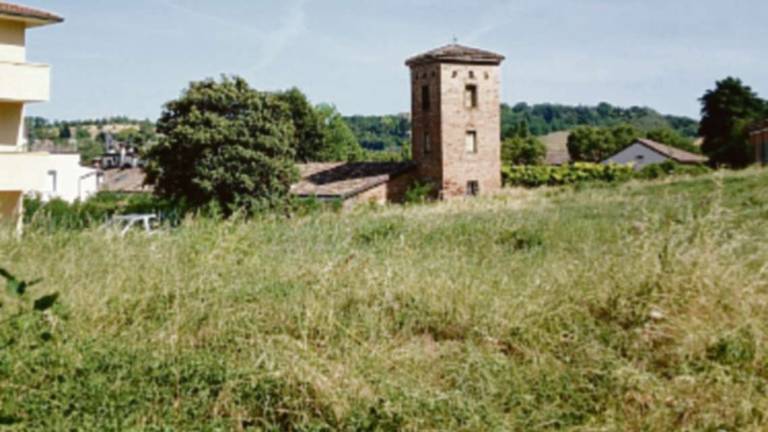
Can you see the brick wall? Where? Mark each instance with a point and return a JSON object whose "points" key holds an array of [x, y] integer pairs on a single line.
{"points": [[759, 141], [448, 120], [426, 123], [393, 191], [459, 165]]}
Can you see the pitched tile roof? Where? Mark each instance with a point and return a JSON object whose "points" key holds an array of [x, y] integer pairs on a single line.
{"points": [[344, 180], [680, 156], [124, 180], [37, 16], [455, 53]]}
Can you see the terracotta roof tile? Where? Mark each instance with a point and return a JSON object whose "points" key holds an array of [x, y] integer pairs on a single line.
{"points": [[343, 180], [18, 11], [124, 180], [455, 53], [680, 156]]}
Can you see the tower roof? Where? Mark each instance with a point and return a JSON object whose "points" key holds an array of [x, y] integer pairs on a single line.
{"points": [[32, 17], [456, 53]]}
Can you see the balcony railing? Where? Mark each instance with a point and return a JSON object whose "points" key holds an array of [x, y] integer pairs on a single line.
{"points": [[24, 82]]}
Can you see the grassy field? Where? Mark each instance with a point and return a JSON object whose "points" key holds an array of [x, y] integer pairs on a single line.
{"points": [[635, 307]]}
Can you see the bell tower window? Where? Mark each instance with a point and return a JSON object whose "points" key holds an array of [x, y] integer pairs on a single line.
{"points": [[470, 142], [425, 98], [470, 96]]}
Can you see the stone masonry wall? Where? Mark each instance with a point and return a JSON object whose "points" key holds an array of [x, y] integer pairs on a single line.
{"points": [[459, 165], [426, 123]]}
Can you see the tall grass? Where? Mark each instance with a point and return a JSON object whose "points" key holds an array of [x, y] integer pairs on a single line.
{"points": [[634, 307]]}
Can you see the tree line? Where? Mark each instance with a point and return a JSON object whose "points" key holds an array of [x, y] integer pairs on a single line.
{"points": [[727, 112]]}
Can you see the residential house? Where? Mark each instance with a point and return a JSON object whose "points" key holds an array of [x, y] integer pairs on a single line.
{"points": [[644, 152], [50, 175]]}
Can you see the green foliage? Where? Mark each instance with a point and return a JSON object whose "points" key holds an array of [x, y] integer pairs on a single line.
{"points": [[546, 118], [419, 192], [592, 144], [670, 168], [89, 149], [637, 308], [381, 133], [523, 239], [521, 148], [308, 126], [339, 143], [60, 215], [580, 172], [224, 144], [727, 112], [673, 139]]}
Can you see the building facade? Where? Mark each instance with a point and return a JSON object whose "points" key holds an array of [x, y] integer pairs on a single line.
{"points": [[456, 119], [456, 136], [21, 83], [644, 152], [758, 137]]}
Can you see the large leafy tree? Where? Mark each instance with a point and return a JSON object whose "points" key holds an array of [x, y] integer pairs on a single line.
{"points": [[339, 142], [592, 144], [672, 138], [224, 144], [519, 147], [308, 126], [726, 113]]}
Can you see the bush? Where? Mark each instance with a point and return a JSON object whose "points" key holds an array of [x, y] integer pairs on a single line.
{"points": [[419, 192], [670, 168], [59, 214], [536, 176]]}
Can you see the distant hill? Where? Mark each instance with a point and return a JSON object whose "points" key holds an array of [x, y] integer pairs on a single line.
{"points": [[389, 132], [543, 119]]}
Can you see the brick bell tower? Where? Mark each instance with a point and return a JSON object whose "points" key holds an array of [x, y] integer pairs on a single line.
{"points": [[456, 119]]}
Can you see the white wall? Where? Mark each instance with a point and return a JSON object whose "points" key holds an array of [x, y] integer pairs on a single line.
{"points": [[50, 175], [637, 154]]}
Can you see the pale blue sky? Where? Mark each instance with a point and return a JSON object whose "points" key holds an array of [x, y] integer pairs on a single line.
{"points": [[129, 57]]}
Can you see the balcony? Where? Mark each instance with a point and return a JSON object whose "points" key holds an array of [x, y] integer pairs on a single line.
{"points": [[24, 82]]}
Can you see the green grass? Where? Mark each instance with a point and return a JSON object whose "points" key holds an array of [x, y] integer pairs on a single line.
{"points": [[635, 307]]}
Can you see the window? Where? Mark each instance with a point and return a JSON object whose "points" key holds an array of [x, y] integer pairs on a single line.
{"points": [[52, 180], [470, 144], [473, 188], [425, 99], [471, 74], [427, 144], [640, 157], [470, 96]]}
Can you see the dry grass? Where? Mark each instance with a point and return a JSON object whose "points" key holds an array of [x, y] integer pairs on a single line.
{"points": [[639, 307]]}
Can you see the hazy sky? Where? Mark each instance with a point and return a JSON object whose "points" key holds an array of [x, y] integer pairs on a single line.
{"points": [[129, 57]]}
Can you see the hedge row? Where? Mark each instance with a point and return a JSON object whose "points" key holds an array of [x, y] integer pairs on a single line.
{"points": [[583, 172]]}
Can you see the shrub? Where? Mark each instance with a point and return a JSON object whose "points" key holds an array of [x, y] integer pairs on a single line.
{"points": [[59, 214], [669, 168], [419, 192], [536, 176]]}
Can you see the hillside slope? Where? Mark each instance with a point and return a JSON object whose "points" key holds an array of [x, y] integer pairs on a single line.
{"points": [[636, 307]]}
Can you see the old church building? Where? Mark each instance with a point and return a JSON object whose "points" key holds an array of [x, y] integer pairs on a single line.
{"points": [[455, 137]]}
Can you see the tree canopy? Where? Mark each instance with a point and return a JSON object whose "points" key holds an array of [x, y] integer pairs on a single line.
{"points": [[224, 144], [545, 118], [593, 144], [519, 147], [340, 143], [726, 113]]}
